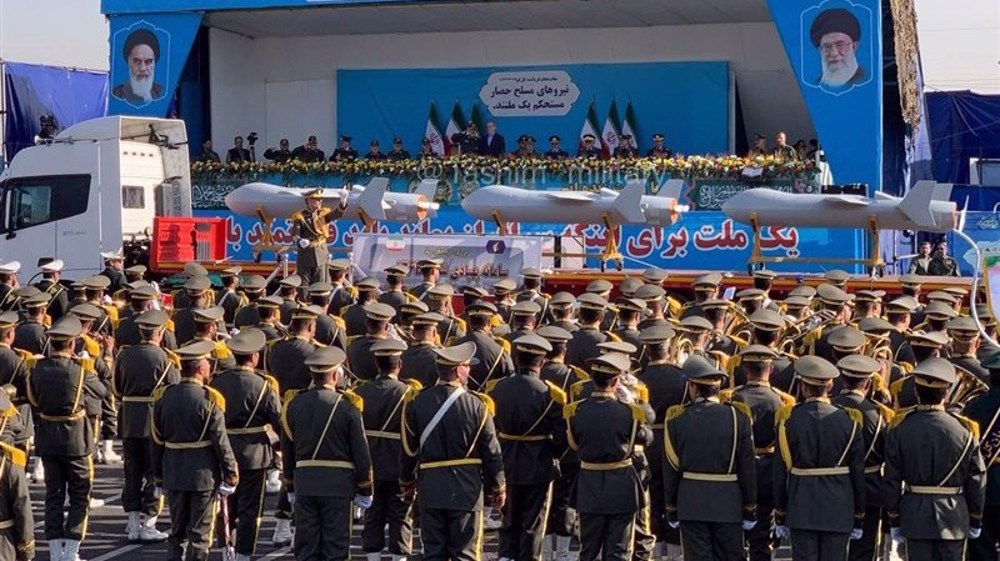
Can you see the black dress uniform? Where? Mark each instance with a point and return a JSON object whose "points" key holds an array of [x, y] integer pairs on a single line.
{"points": [[286, 360], [609, 492], [819, 482], [230, 301], [59, 303], [61, 388], [383, 399], [343, 295], [418, 364], [247, 316], [30, 336], [451, 462], [935, 478], [583, 346], [532, 437], [192, 457], [140, 370], [394, 298], [710, 453], [326, 463], [17, 524], [311, 228], [984, 411], [360, 359], [14, 371], [876, 419], [252, 403], [493, 354]]}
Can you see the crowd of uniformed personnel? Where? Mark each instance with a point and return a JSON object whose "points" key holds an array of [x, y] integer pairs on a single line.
{"points": [[846, 424]]}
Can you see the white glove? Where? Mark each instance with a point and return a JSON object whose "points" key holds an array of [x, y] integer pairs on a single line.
{"points": [[303, 243], [974, 533], [856, 533], [84, 354], [226, 489], [363, 501], [107, 299], [291, 499], [781, 532], [749, 525], [674, 525], [896, 534], [157, 492]]}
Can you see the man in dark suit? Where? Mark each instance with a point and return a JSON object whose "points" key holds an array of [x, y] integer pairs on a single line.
{"points": [[492, 143], [238, 153]]}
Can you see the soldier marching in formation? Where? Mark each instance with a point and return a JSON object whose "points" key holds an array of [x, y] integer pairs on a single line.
{"points": [[846, 424]]}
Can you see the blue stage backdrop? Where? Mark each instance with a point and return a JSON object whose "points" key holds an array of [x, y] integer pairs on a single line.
{"points": [[705, 240], [686, 101]]}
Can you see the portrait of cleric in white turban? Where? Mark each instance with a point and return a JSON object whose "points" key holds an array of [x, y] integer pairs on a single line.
{"points": [[836, 35], [142, 53]]}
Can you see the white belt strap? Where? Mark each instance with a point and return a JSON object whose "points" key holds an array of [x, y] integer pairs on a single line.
{"points": [[436, 419]]}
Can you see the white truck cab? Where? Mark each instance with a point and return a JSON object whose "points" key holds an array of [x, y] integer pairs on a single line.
{"points": [[95, 187]]}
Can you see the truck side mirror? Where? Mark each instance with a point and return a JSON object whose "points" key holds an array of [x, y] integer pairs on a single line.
{"points": [[11, 235]]}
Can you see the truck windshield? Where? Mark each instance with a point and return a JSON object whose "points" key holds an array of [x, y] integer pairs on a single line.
{"points": [[31, 201]]}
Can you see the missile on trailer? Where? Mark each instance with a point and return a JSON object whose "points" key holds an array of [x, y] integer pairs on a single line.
{"points": [[501, 204], [358, 202], [925, 208]]}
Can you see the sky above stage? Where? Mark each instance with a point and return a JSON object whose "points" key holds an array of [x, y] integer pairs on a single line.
{"points": [[959, 39]]}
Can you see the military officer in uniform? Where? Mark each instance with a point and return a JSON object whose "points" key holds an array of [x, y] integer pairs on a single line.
{"points": [[451, 459], [253, 289], [140, 370], [629, 313], [8, 284], [590, 149], [710, 453], [267, 310], [560, 311], [30, 333], [583, 346], [419, 359], [763, 400], [207, 322], [60, 387], [344, 293], [185, 324], [605, 432], [532, 436], [984, 411], [503, 297], [819, 480], [965, 338], [228, 298], [330, 330], [113, 263], [935, 478], [858, 373], [193, 462], [438, 300], [555, 151], [360, 360], [659, 150], [355, 318], [625, 148], [523, 319], [383, 398], [310, 230], [51, 273], [14, 367], [252, 405], [493, 353], [288, 290], [431, 271], [395, 295], [17, 541]]}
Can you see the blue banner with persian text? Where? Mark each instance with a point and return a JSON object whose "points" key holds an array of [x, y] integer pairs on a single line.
{"points": [[148, 54], [706, 240], [835, 49]]}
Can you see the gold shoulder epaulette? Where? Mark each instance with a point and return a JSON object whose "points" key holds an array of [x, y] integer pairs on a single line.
{"points": [[410, 297], [351, 339], [173, 357], [580, 373], [740, 342], [487, 401], [906, 367], [612, 337], [158, 393], [170, 325], [786, 398], [355, 399], [638, 413], [898, 417], [642, 392], [576, 389], [504, 344], [855, 415], [296, 216], [15, 455], [271, 381], [461, 323], [569, 410], [725, 396], [886, 412], [289, 396], [222, 351], [556, 393], [742, 408], [413, 392], [316, 343], [969, 424], [353, 291], [783, 413], [339, 322], [414, 384], [216, 397], [673, 306], [92, 347], [88, 364], [324, 212], [673, 412], [490, 385], [896, 386]]}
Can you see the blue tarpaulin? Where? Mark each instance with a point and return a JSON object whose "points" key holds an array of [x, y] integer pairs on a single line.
{"points": [[963, 125], [33, 91]]}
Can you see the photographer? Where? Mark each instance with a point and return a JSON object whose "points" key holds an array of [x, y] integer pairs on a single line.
{"points": [[238, 153], [281, 154]]}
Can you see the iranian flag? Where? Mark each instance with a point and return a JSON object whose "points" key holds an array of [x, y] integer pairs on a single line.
{"points": [[610, 134], [433, 132], [456, 124], [589, 124], [628, 126]]}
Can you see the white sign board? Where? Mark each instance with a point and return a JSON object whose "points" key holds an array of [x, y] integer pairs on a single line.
{"points": [[529, 93], [467, 260]]}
